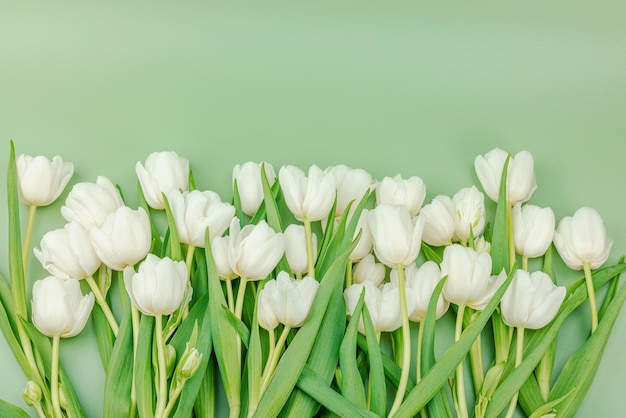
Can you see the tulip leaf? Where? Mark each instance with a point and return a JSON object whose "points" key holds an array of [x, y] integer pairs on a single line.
{"points": [[204, 405], [317, 388], [273, 216], [514, 378], [352, 387], [431, 254], [10, 410], [377, 398], [144, 372], [104, 335], [16, 263], [500, 234], [240, 328], [530, 396], [119, 373], [176, 253], [438, 375], [156, 246], [260, 213], [438, 406], [610, 293], [6, 299], [254, 356], [546, 408], [237, 202], [11, 339]]}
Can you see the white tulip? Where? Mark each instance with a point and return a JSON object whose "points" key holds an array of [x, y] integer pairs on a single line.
{"points": [[409, 193], [364, 246], [90, 203], [368, 270], [307, 197], [295, 248], [219, 249], [423, 281], [533, 229], [470, 213], [254, 250], [248, 178], [520, 182], [439, 221], [162, 172], [288, 299], [41, 181], [352, 183]]}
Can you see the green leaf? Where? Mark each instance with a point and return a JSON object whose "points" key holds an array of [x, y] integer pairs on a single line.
{"points": [[104, 335], [176, 253], [16, 263], [238, 325], [119, 373], [391, 369], [144, 372], [500, 234], [273, 216], [12, 411], [254, 356], [10, 335], [548, 407], [430, 253], [438, 375], [377, 398], [352, 388], [204, 405], [237, 202]]}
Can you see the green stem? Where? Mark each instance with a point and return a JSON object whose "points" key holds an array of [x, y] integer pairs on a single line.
{"points": [[134, 313], [406, 338], [189, 259], [309, 247], [270, 366], [103, 304], [173, 397], [524, 263], [39, 410], [460, 378], [511, 239], [162, 395], [592, 297], [54, 377], [27, 235], [229, 295], [518, 360], [349, 274], [418, 354], [239, 309], [476, 361]]}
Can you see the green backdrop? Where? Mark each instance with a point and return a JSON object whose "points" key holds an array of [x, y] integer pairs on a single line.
{"points": [[403, 87]]}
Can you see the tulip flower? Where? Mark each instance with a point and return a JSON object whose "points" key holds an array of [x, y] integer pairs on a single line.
{"points": [[352, 183], [531, 301], [219, 249], [124, 238], [255, 250], [67, 253], [397, 238], [309, 197], [582, 242], [90, 203], [423, 281], [295, 248], [159, 285], [470, 213], [59, 308], [41, 181], [439, 221], [248, 178], [368, 270], [520, 182], [533, 230], [162, 172], [195, 211], [409, 193], [364, 246]]}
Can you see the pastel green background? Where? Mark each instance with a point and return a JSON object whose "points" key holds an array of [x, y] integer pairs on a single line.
{"points": [[400, 87]]}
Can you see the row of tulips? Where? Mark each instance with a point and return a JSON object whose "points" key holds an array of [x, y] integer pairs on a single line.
{"points": [[293, 291]]}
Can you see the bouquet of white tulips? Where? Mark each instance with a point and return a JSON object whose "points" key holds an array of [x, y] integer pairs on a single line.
{"points": [[308, 294]]}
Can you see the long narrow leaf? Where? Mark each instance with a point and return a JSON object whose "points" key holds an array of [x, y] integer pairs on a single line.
{"points": [[144, 372], [378, 397], [104, 335], [16, 267], [9, 410], [352, 388], [119, 374]]}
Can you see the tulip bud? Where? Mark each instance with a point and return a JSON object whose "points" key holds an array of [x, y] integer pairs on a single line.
{"points": [[90, 203], [290, 300], [170, 359], [195, 211], [481, 245], [307, 197], [265, 313], [59, 308], [423, 281], [533, 229], [520, 182], [531, 301], [219, 249], [582, 238], [41, 181], [439, 221], [409, 193], [159, 287], [352, 183], [295, 248], [163, 172], [470, 213], [368, 270], [255, 250], [190, 363], [32, 394], [124, 238], [364, 246], [67, 253], [248, 178]]}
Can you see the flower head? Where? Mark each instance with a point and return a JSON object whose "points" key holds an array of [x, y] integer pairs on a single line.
{"points": [[162, 172], [409, 193], [533, 229], [254, 250], [248, 178], [309, 196], [90, 203], [41, 181], [520, 182], [295, 248], [397, 237]]}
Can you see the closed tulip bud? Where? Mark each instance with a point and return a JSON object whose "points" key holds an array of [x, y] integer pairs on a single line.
{"points": [[383, 304], [67, 253], [295, 248], [533, 229], [265, 313], [482, 245], [397, 237], [309, 196], [439, 221], [162, 172], [195, 211], [248, 178], [219, 249], [469, 277], [90, 203], [41, 181], [531, 301], [470, 213], [158, 287], [124, 239], [59, 308], [352, 183], [290, 300], [520, 182], [423, 281], [582, 238], [368, 270], [190, 363], [409, 193], [32, 394], [170, 359], [364, 246], [254, 250]]}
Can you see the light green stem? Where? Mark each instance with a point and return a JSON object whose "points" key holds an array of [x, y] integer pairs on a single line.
{"points": [[239, 309], [519, 353], [54, 377], [524, 263], [418, 354], [511, 239], [349, 274], [309, 247], [27, 235], [103, 304], [406, 339], [272, 361], [189, 259], [172, 401], [476, 362], [39, 410], [162, 395], [134, 314], [460, 378], [592, 297], [229, 295]]}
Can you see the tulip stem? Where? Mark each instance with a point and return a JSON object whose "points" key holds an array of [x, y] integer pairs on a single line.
{"points": [[54, 377], [229, 295], [103, 304], [27, 235], [511, 239], [162, 388], [349, 274], [460, 378], [239, 308], [309, 247], [270, 366], [135, 318], [418, 354], [519, 352], [406, 340], [592, 297], [524, 263]]}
